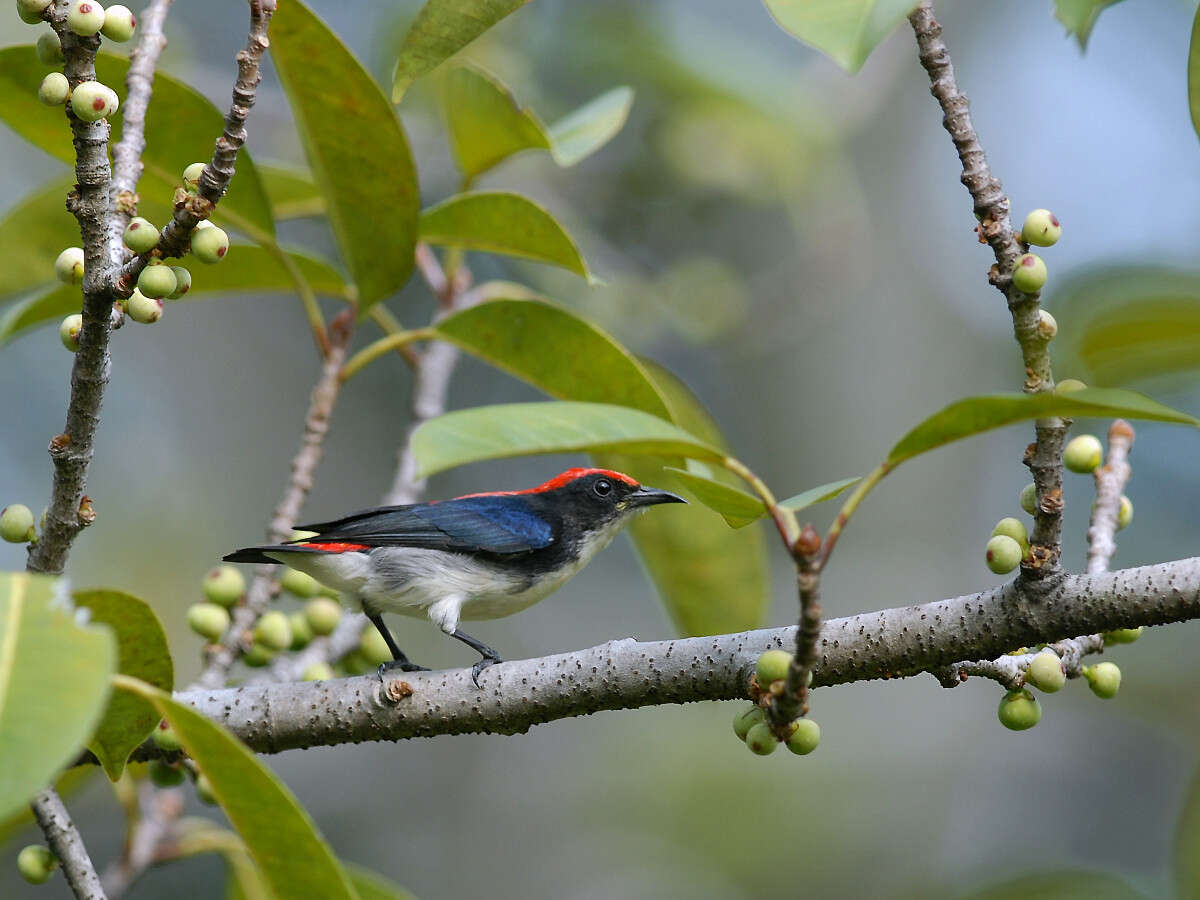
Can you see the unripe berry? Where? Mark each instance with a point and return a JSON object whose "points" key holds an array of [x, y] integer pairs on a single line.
{"points": [[318, 672], [1041, 228], [204, 791], [85, 17], [1069, 386], [772, 666], [299, 584], [1104, 679], [1045, 672], [1003, 554], [761, 740], [92, 101], [69, 265], [1015, 529], [54, 89], [16, 524], [745, 719], [258, 656], [1124, 513], [208, 620], [1047, 326], [36, 863], [1029, 498], [302, 634], [1029, 274], [49, 48], [165, 775], [141, 236], [118, 24], [1122, 636], [209, 245], [323, 615], [156, 281], [273, 631], [1019, 710], [143, 309], [31, 11], [68, 331], [183, 282], [224, 586], [373, 647], [1083, 454], [191, 177], [165, 738], [354, 664], [805, 738]]}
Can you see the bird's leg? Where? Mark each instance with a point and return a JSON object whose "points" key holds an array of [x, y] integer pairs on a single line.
{"points": [[399, 660], [490, 656]]}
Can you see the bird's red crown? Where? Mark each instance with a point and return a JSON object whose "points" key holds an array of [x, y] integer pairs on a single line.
{"points": [[558, 481]]}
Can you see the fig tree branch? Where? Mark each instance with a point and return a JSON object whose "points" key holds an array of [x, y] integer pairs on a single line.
{"points": [[64, 840]]}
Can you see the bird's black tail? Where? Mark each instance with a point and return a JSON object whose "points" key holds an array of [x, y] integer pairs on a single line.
{"points": [[253, 555]]}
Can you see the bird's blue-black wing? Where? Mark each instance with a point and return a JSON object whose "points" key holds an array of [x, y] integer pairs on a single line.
{"points": [[490, 524]]}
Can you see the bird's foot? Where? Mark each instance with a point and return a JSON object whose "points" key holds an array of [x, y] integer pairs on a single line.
{"points": [[403, 665], [480, 666]]}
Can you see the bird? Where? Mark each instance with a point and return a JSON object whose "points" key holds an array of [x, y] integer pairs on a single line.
{"points": [[479, 556]]}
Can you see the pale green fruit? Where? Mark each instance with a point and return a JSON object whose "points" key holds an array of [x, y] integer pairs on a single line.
{"points": [[1045, 672], [224, 586], [16, 524], [805, 738], [92, 101], [183, 282], [164, 774], [273, 631], [373, 647], [118, 24], [69, 265], [204, 791], [258, 656], [1047, 325], [1124, 513], [1015, 529], [156, 281], [165, 738], [1083, 454], [318, 672], [761, 740], [1104, 679], [302, 633], [209, 620], [31, 11], [1041, 228], [85, 17], [1019, 710], [1003, 554], [354, 664], [68, 331], [191, 177], [49, 48], [323, 615], [745, 719], [1029, 274], [36, 863], [1069, 386], [772, 666], [1122, 636], [1029, 498], [299, 584], [143, 309], [141, 235], [209, 245], [54, 89]]}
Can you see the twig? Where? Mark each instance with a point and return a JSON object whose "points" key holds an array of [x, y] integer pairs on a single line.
{"points": [[1110, 484], [1009, 670], [995, 228], [156, 825], [66, 843]]}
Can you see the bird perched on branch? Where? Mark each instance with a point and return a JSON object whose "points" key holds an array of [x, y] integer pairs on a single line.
{"points": [[482, 556]]}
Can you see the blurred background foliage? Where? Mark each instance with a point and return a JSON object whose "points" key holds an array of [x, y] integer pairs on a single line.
{"points": [[795, 244]]}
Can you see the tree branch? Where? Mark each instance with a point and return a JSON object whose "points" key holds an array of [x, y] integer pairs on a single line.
{"points": [[1110, 483], [63, 838]]}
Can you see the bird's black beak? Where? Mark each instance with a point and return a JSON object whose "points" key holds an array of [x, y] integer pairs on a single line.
{"points": [[648, 496]]}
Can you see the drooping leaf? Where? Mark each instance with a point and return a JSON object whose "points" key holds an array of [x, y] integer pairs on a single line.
{"points": [[1070, 884], [579, 134], [845, 30], [142, 652], [502, 222], [373, 886], [524, 429], [1193, 77], [293, 857], [292, 192], [53, 684], [363, 166], [1079, 16], [976, 415], [441, 29], [819, 494], [737, 507]]}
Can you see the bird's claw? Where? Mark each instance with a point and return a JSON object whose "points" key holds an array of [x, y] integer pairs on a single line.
{"points": [[402, 665], [480, 666]]}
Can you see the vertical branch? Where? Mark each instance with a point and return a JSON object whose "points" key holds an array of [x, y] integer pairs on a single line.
{"points": [[1110, 483], [64, 839]]}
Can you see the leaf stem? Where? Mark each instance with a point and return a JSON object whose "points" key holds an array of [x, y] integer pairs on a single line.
{"points": [[383, 345], [839, 524], [785, 519]]}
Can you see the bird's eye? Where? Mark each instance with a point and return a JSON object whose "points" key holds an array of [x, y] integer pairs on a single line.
{"points": [[603, 487]]}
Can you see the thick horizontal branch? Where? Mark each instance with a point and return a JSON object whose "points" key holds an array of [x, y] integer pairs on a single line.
{"points": [[626, 674]]}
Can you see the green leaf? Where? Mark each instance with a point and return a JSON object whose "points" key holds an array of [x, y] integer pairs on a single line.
{"points": [[53, 684], [363, 165], [1069, 884], [737, 507], [976, 415], [502, 222], [373, 886], [523, 429], [441, 29], [142, 652], [1079, 16], [68, 783], [292, 192], [1186, 863], [819, 494], [257, 269], [845, 30], [32, 234], [293, 857], [1193, 74], [581, 133]]}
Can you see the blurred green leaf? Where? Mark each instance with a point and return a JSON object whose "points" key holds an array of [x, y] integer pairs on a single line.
{"points": [[363, 165], [484, 122], [292, 192], [1080, 15], [502, 222], [846, 30], [524, 429], [67, 784], [258, 269], [1073, 884], [373, 886], [819, 494], [53, 684], [1194, 74], [737, 507], [441, 29], [579, 134], [32, 234], [1186, 862], [976, 415], [142, 652], [284, 841]]}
